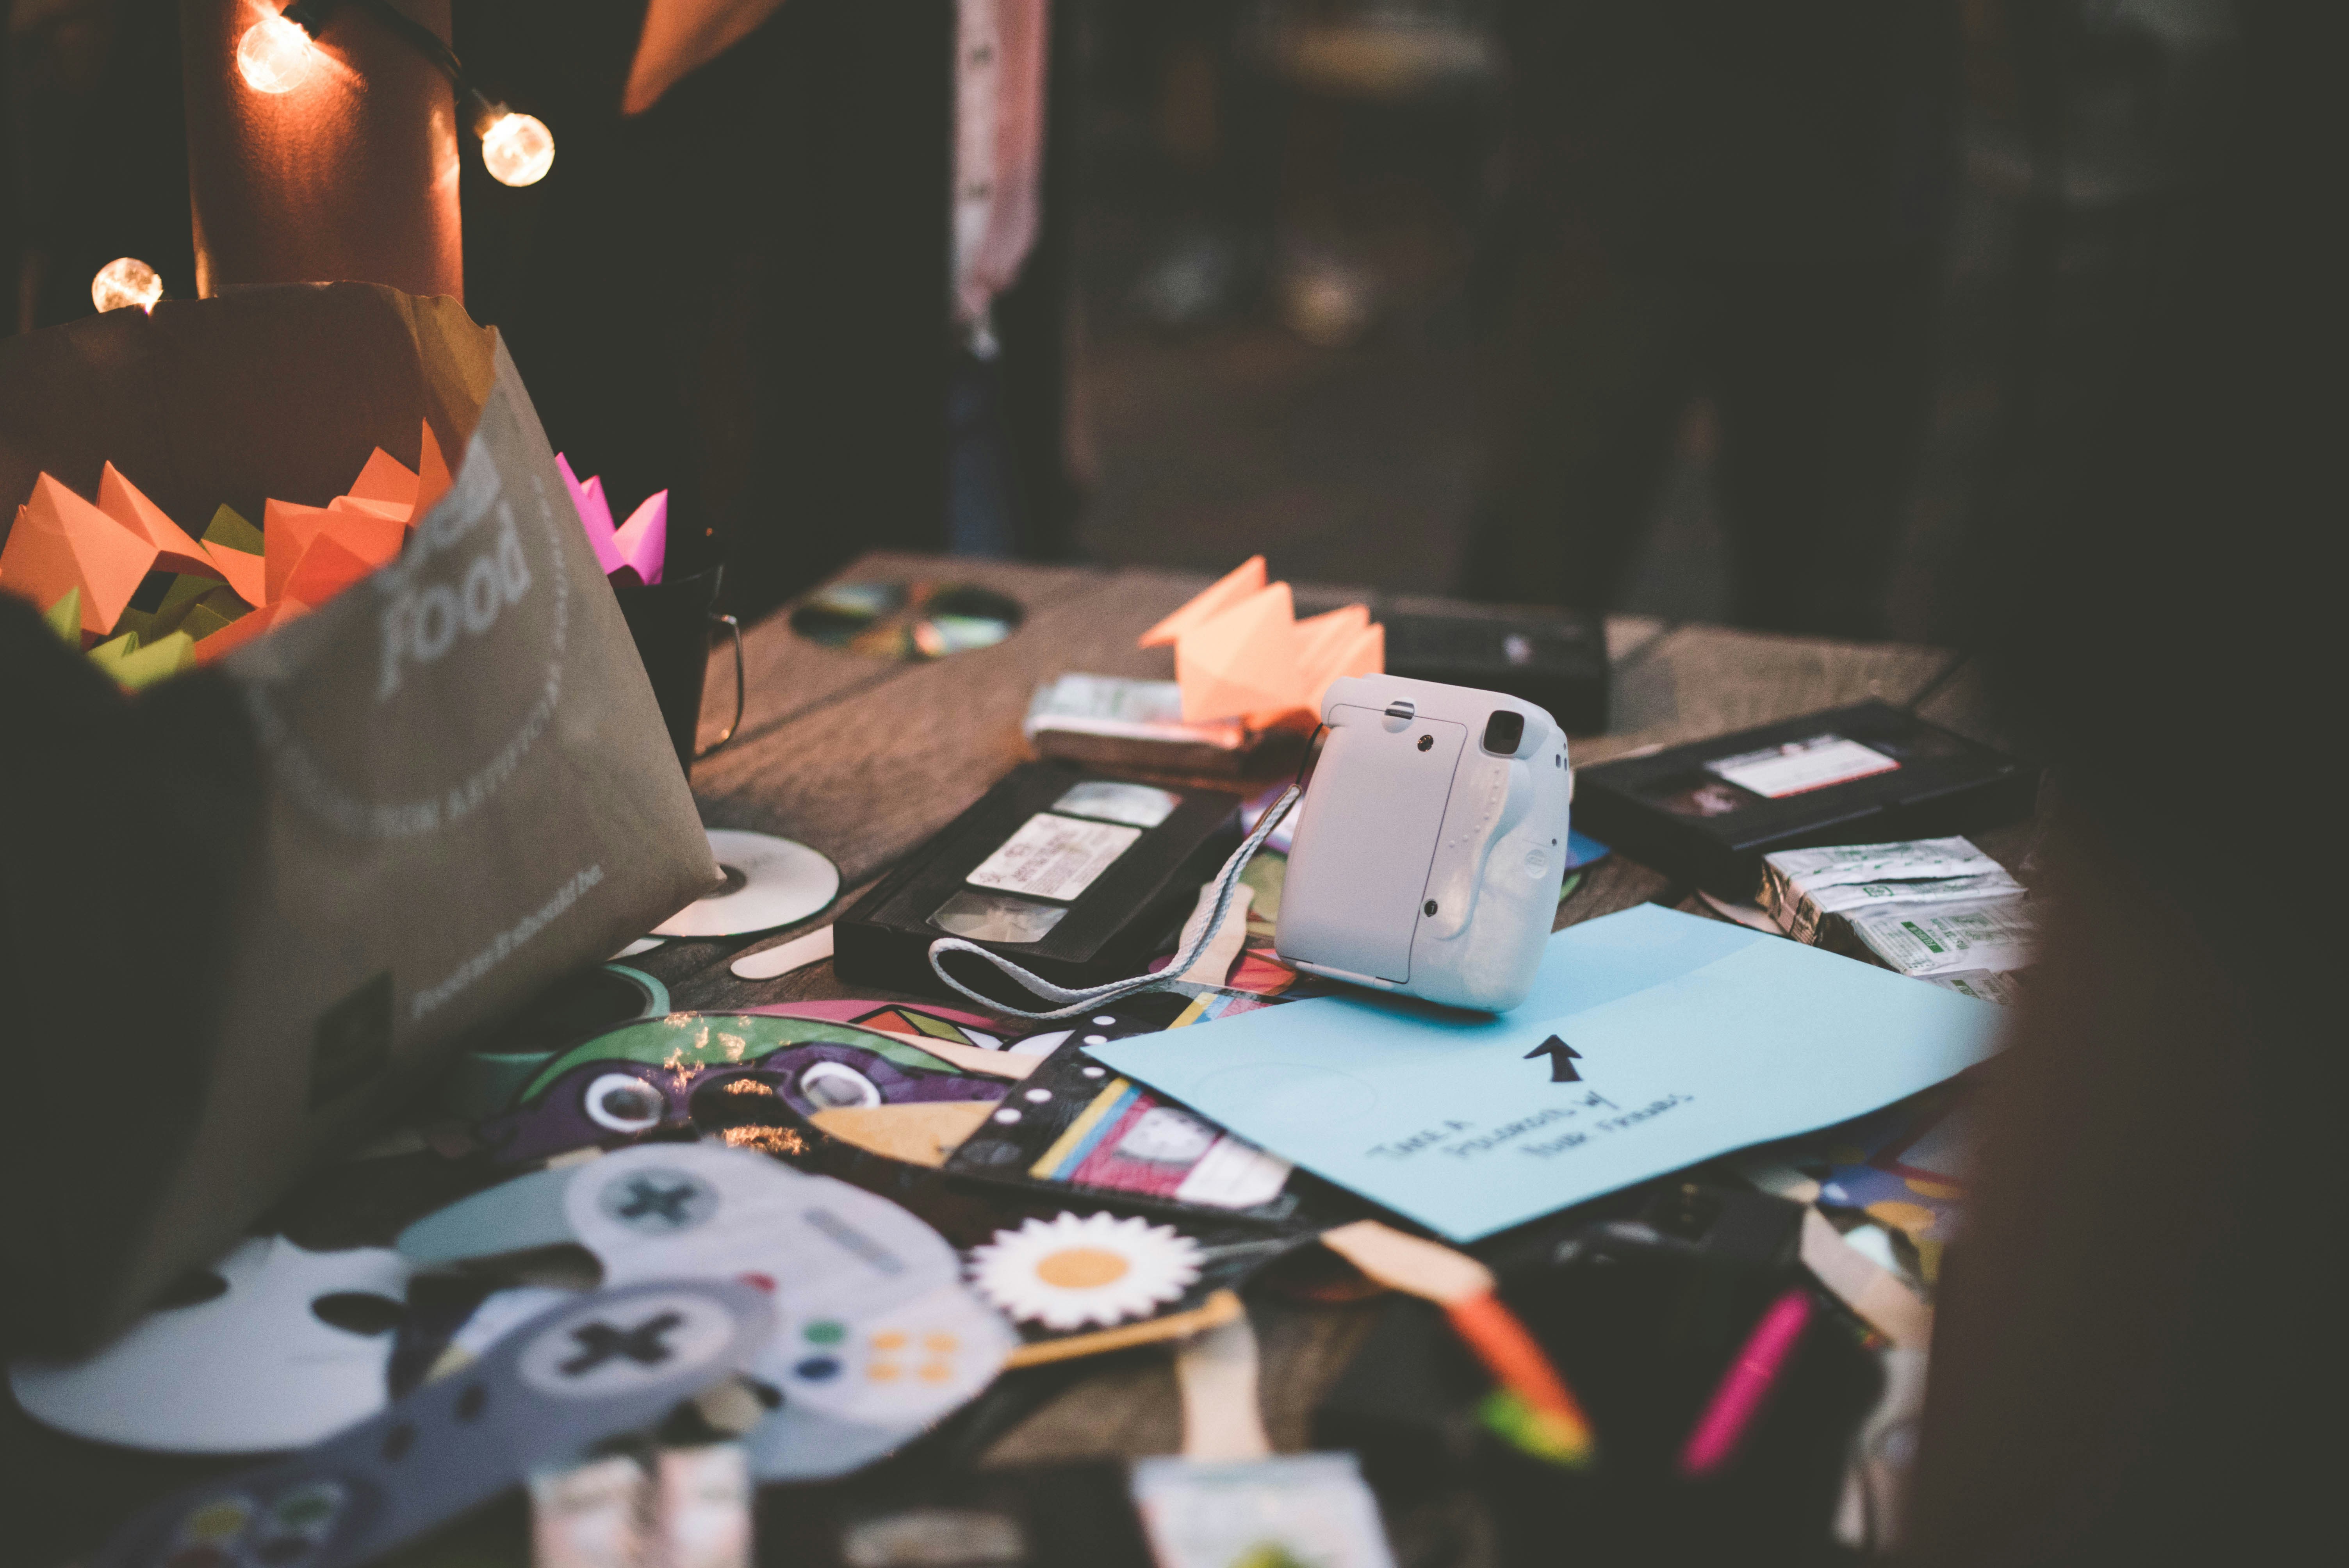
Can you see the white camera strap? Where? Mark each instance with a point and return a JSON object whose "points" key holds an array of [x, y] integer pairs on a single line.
{"points": [[1090, 997]]}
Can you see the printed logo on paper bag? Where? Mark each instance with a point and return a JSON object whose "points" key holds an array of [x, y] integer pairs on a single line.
{"points": [[353, 1041], [469, 624]]}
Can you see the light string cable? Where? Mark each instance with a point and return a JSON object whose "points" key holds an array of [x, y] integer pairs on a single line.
{"points": [[1077, 1000], [517, 148]]}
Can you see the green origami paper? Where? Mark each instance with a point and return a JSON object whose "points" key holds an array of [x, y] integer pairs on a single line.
{"points": [[229, 528], [160, 660], [65, 617], [110, 653]]}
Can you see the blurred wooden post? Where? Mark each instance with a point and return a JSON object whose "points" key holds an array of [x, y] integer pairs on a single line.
{"points": [[350, 176]]}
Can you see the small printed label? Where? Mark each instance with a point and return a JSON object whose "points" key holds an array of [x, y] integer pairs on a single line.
{"points": [[1927, 941], [1800, 766], [1054, 857]]}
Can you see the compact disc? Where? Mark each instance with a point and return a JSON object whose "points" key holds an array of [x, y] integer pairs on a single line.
{"points": [[907, 621], [769, 882]]}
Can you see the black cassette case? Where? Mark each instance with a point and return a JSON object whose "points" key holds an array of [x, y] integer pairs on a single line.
{"points": [[1123, 918], [1673, 811]]}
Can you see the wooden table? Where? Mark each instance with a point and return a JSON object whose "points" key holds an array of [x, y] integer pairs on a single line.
{"points": [[865, 760]]}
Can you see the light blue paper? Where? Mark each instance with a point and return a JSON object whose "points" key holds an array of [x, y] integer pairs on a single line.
{"points": [[1694, 1037]]}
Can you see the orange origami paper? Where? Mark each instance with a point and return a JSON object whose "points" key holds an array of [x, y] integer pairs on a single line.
{"points": [[387, 488], [1241, 653], [385, 479], [88, 559], [1245, 579], [62, 542], [1341, 642], [290, 531], [1241, 661], [432, 477], [126, 504], [326, 568], [238, 632], [245, 572]]}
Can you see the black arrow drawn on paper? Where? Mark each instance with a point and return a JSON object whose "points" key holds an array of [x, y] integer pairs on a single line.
{"points": [[1562, 1057]]}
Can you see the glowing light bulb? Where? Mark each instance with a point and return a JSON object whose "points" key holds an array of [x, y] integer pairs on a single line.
{"points": [[126, 281], [275, 55], [518, 149]]}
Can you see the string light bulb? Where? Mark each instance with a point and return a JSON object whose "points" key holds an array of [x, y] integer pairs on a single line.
{"points": [[126, 281], [517, 148], [275, 54], [279, 53]]}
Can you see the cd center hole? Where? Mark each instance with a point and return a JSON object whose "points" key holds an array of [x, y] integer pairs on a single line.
{"points": [[735, 882]]}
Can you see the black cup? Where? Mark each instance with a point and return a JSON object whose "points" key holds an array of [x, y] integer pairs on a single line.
{"points": [[672, 621]]}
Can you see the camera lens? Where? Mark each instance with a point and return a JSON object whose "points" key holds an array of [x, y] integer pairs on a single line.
{"points": [[1503, 731]]}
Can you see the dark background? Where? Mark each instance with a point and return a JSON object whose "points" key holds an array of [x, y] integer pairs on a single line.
{"points": [[741, 295]]}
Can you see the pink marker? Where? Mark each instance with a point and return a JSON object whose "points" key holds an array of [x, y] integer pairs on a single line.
{"points": [[1713, 1440]]}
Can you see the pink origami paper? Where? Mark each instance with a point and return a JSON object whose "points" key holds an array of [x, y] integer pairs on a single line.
{"points": [[639, 545]]}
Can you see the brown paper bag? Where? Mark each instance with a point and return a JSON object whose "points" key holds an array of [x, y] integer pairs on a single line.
{"points": [[252, 912]]}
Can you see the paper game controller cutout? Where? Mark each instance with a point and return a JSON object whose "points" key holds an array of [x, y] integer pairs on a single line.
{"points": [[875, 1338], [613, 1361]]}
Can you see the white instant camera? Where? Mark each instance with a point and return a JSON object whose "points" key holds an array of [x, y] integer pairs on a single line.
{"points": [[1431, 843]]}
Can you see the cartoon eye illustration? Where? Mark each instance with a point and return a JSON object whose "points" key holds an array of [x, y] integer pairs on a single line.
{"points": [[624, 1103], [834, 1086]]}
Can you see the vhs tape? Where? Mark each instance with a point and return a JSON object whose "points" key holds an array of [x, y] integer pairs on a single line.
{"points": [[1711, 809], [1077, 877], [1556, 659]]}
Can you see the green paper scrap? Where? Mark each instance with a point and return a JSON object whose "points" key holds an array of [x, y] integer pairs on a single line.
{"points": [[159, 660], [114, 650], [138, 623], [196, 605], [187, 588], [65, 617], [202, 621], [229, 528]]}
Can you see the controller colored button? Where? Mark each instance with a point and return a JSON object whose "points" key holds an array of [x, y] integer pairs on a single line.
{"points": [[819, 1369], [940, 1344], [883, 1371], [935, 1372], [825, 1331], [888, 1339], [219, 1521]]}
